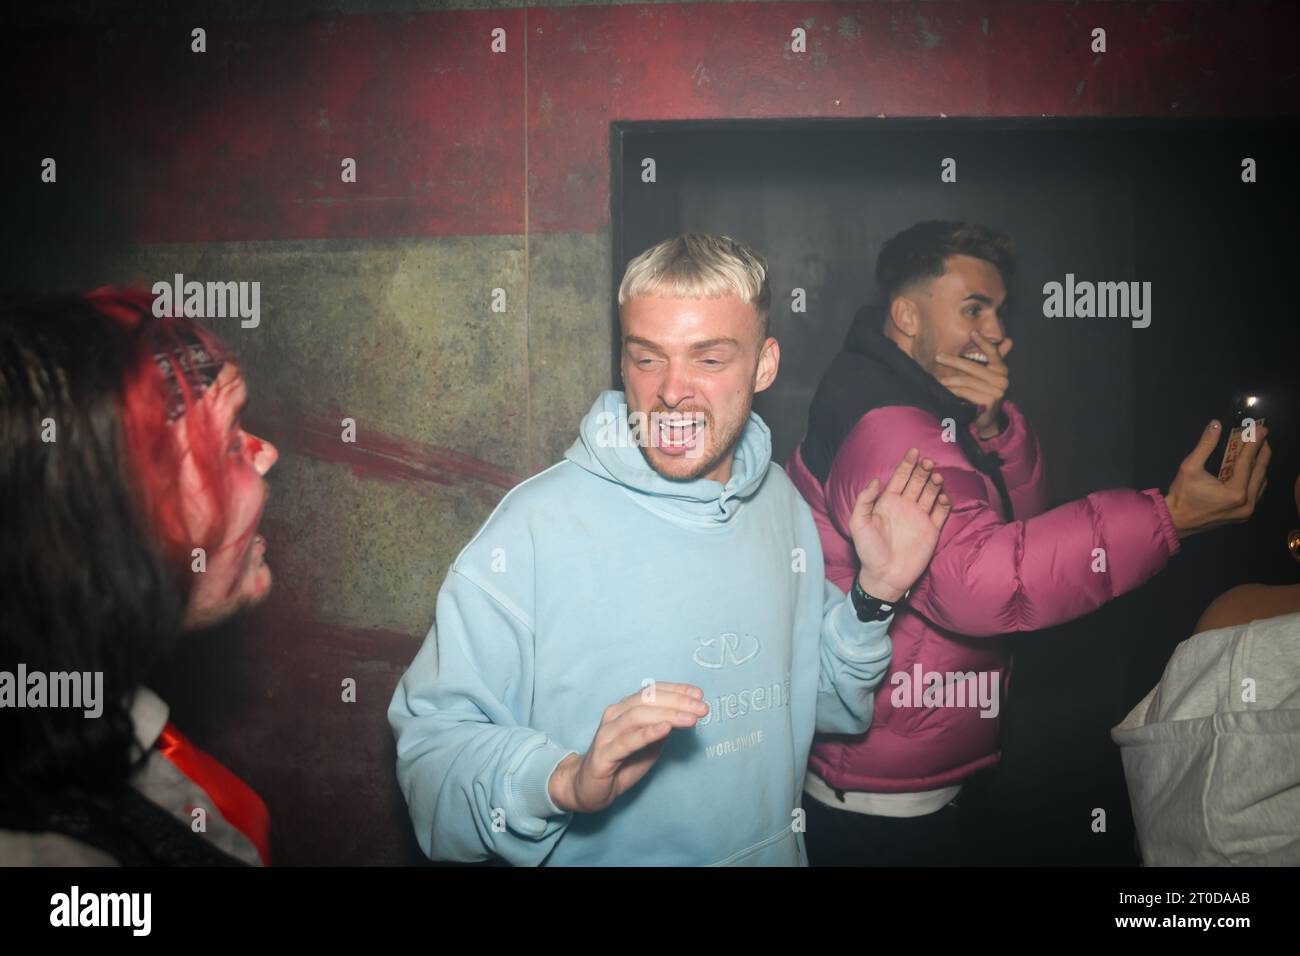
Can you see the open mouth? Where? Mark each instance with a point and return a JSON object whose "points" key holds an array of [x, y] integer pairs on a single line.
{"points": [[978, 357], [679, 431], [258, 556]]}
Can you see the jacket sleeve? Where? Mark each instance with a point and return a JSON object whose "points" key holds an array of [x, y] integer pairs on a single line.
{"points": [[854, 658], [991, 577], [473, 772], [1022, 462]]}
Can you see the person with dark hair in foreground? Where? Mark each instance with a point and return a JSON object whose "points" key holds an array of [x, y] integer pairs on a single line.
{"points": [[928, 370], [130, 497]]}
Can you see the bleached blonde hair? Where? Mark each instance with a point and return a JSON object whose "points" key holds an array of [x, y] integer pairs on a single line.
{"points": [[699, 266]]}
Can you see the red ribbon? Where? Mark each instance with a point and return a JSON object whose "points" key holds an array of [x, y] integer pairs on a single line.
{"points": [[237, 801]]}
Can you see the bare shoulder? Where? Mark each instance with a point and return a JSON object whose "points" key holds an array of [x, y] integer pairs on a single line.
{"points": [[1248, 602]]}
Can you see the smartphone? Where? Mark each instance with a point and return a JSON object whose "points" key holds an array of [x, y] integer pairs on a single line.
{"points": [[1247, 415]]}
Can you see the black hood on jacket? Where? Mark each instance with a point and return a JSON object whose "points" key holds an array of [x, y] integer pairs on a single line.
{"points": [[872, 372]]}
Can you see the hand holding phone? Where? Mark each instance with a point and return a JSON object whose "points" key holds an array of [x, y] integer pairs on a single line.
{"points": [[1246, 420]]}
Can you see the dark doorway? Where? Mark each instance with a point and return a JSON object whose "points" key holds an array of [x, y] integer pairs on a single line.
{"points": [[1113, 405]]}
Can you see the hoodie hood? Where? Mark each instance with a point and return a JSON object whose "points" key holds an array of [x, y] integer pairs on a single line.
{"points": [[605, 448], [1210, 753]]}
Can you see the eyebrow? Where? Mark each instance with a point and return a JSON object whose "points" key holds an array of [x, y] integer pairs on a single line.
{"points": [[980, 297], [695, 346]]}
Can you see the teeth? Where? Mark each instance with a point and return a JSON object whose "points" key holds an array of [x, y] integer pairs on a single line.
{"points": [[688, 427], [977, 357]]}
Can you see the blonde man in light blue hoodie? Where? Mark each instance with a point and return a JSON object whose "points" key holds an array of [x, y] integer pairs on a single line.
{"points": [[630, 658]]}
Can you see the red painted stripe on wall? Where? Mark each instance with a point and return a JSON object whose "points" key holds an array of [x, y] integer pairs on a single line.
{"points": [[377, 456]]}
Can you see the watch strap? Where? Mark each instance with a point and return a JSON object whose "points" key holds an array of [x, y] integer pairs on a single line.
{"points": [[871, 608]]}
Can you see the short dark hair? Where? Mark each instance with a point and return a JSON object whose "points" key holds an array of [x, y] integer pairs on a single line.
{"points": [[917, 254]]}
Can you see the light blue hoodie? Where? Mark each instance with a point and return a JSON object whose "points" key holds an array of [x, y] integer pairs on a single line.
{"points": [[591, 579]]}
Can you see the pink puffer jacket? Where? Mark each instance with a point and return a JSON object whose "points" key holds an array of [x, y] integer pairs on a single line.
{"points": [[988, 578]]}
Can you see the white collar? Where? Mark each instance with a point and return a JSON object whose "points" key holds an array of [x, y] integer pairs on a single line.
{"points": [[148, 716]]}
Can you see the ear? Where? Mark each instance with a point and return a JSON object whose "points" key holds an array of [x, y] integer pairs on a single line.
{"points": [[769, 359], [904, 317]]}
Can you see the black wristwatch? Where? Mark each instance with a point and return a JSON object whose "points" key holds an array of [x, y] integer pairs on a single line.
{"points": [[870, 608]]}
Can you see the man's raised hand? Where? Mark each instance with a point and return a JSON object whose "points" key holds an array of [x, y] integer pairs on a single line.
{"points": [[1199, 501], [985, 386], [895, 531]]}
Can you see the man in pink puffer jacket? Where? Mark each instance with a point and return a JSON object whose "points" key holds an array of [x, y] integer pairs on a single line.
{"points": [[930, 372]]}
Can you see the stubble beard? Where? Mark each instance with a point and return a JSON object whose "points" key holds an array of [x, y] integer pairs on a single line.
{"points": [[725, 443]]}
